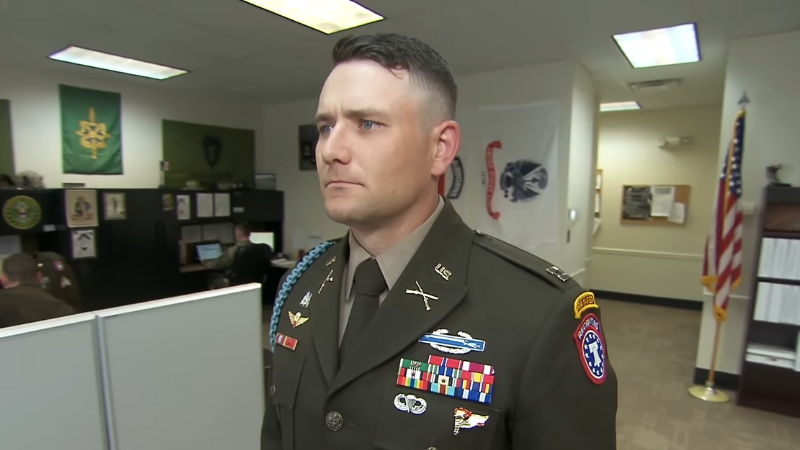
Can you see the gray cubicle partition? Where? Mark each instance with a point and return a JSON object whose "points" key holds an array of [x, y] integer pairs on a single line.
{"points": [[185, 373], [50, 386]]}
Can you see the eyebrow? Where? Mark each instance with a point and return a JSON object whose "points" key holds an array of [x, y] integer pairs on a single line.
{"points": [[352, 113]]}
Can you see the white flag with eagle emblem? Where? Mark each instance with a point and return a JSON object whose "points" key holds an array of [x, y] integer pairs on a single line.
{"points": [[510, 157]]}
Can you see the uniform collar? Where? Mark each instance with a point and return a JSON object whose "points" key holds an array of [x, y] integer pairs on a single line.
{"points": [[394, 259]]}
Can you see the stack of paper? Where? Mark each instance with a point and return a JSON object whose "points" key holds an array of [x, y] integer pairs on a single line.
{"points": [[771, 355], [780, 258]]}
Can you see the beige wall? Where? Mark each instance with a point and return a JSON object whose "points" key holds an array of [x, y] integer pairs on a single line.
{"points": [[663, 260]]}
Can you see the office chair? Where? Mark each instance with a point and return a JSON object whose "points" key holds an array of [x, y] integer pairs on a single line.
{"points": [[250, 265]]}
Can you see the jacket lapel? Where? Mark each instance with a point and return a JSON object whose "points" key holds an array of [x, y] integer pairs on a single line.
{"points": [[404, 317], [325, 308]]}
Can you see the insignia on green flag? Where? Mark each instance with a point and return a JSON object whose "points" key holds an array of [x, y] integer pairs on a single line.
{"points": [[91, 131]]}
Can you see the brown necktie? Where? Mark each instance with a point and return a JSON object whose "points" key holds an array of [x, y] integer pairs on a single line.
{"points": [[368, 284]]}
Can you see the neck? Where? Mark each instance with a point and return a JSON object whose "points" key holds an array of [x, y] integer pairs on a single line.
{"points": [[376, 240]]}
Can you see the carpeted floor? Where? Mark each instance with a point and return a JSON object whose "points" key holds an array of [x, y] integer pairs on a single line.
{"points": [[653, 352]]}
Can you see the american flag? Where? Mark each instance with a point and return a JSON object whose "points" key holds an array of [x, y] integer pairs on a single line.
{"points": [[722, 268]]}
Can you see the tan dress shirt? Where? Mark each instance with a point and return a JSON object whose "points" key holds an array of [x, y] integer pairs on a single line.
{"points": [[392, 263]]}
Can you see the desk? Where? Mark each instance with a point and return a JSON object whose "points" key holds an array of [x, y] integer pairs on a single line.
{"points": [[284, 264], [190, 268]]}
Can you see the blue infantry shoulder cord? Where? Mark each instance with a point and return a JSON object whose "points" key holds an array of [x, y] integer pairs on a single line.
{"points": [[287, 287]]}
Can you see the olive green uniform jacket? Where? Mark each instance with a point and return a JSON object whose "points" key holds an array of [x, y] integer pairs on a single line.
{"points": [[543, 396]]}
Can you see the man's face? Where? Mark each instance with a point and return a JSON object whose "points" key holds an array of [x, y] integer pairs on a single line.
{"points": [[374, 156]]}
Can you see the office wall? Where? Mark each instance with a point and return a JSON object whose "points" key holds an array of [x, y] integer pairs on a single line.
{"points": [[582, 163], [36, 126], [768, 69], [664, 260], [555, 82]]}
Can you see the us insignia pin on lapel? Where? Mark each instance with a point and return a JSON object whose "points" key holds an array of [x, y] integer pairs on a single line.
{"points": [[306, 300], [410, 404], [425, 297], [591, 348], [460, 344], [584, 302], [296, 320], [443, 272], [286, 341], [330, 261], [466, 419]]}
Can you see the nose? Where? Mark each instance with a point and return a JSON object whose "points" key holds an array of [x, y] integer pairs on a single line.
{"points": [[334, 146]]}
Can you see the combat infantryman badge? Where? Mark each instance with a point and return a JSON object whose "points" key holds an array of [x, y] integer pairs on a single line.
{"points": [[591, 348], [466, 419], [296, 320], [583, 302], [461, 344]]}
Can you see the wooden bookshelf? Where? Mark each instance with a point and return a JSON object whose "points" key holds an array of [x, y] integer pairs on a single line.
{"points": [[761, 385]]}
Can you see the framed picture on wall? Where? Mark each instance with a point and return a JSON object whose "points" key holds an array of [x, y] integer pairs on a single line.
{"points": [[81, 208], [114, 203]]}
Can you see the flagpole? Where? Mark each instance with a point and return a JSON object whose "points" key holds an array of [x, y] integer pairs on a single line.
{"points": [[709, 392]]}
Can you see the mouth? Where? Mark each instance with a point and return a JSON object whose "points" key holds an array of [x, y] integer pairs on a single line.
{"points": [[338, 183]]}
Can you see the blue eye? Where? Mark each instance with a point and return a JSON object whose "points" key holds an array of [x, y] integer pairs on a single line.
{"points": [[367, 124], [325, 129]]}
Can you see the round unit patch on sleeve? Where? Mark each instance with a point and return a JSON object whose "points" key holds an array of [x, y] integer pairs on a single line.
{"points": [[591, 348]]}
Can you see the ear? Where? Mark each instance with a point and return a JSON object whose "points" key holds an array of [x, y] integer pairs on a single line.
{"points": [[447, 137]]}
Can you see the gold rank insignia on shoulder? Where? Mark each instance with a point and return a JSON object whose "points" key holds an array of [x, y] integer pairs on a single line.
{"points": [[296, 320], [583, 303]]}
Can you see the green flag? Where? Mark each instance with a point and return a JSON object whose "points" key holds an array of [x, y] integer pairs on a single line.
{"points": [[207, 153], [91, 131]]}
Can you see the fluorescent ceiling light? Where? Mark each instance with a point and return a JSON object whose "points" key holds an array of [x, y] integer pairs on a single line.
{"points": [[619, 106], [660, 47], [107, 61], [327, 16]]}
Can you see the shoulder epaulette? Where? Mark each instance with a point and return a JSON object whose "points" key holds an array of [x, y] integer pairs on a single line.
{"points": [[525, 260]]}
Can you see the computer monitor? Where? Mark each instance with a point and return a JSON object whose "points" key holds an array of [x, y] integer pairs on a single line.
{"points": [[263, 237], [207, 252]]}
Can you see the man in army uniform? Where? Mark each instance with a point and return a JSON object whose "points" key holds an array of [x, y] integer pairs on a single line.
{"points": [[58, 278], [242, 235], [414, 331], [22, 299]]}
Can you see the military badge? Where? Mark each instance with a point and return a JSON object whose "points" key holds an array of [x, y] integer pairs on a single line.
{"points": [[306, 300], [584, 302], [591, 348], [22, 212], [466, 419], [410, 404], [296, 320], [59, 265], [460, 344]]}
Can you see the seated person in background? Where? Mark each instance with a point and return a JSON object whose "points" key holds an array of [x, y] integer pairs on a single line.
{"points": [[241, 233], [23, 300]]}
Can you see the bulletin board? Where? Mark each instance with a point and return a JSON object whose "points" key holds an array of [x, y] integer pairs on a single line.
{"points": [[662, 204]]}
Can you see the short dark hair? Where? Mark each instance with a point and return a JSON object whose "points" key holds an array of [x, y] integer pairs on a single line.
{"points": [[425, 65], [244, 228], [20, 267]]}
